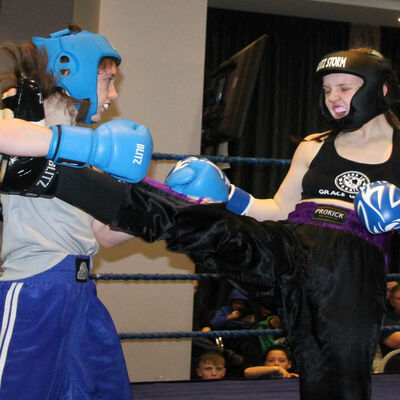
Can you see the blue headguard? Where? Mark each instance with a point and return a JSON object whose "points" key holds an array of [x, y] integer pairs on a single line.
{"points": [[79, 54]]}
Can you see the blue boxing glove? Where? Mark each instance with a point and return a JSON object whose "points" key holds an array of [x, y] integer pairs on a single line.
{"points": [[120, 147], [378, 206], [201, 178]]}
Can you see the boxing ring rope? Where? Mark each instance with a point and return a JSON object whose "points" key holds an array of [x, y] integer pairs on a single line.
{"points": [[224, 159], [155, 277], [178, 277], [197, 334]]}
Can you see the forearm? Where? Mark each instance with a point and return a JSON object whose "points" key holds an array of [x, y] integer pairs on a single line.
{"points": [[107, 237], [22, 138], [258, 372], [271, 209]]}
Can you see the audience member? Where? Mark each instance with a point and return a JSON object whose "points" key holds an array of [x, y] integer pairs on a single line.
{"points": [[236, 314], [271, 321], [211, 366], [278, 364]]}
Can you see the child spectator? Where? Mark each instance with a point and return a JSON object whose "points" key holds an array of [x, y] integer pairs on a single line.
{"points": [[278, 363], [237, 313], [211, 366]]}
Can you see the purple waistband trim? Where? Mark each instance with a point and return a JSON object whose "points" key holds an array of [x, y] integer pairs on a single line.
{"points": [[305, 211]]}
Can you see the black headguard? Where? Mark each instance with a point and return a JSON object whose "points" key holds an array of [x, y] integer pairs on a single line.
{"points": [[369, 101]]}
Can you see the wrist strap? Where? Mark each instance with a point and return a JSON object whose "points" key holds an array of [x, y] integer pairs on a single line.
{"points": [[70, 145], [55, 142], [239, 201]]}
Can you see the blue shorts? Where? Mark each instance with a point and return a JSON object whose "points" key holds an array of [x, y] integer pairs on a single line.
{"points": [[57, 340]]}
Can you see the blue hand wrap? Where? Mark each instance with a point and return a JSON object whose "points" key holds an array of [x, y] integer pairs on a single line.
{"points": [[239, 201]]}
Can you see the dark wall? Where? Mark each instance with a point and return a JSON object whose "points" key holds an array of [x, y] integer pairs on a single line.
{"points": [[285, 103], [22, 19]]}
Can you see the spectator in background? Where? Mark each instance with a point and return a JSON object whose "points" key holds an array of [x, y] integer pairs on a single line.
{"points": [[278, 364], [211, 366], [237, 313]]}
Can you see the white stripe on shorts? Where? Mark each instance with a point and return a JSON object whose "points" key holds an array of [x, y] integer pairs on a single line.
{"points": [[7, 326]]}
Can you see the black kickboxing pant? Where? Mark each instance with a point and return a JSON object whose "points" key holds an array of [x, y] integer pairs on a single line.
{"points": [[341, 305], [329, 273]]}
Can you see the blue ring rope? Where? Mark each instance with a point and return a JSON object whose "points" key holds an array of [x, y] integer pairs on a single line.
{"points": [[213, 334], [197, 334], [153, 277], [224, 159], [177, 277]]}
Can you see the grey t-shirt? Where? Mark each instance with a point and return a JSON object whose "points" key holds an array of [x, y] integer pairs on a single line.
{"points": [[38, 233]]}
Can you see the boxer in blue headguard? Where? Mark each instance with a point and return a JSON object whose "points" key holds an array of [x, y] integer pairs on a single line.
{"points": [[75, 65], [58, 341]]}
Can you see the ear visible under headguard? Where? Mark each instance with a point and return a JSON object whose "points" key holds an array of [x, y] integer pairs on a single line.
{"points": [[369, 101], [74, 59]]}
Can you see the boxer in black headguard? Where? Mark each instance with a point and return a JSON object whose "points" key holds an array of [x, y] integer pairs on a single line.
{"points": [[370, 100], [327, 268]]}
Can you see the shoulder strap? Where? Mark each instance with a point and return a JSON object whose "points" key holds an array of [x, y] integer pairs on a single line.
{"points": [[396, 141], [323, 153]]}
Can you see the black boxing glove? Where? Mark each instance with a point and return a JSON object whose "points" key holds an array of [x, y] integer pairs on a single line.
{"points": [[27, 101], [27, 176]]}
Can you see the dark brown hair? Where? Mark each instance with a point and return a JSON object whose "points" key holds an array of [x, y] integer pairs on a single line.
{"points": [[29, 59], [212, 357]]}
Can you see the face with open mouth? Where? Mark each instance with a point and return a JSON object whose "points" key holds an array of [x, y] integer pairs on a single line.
{"points": [[339, 89], [106, 91]]}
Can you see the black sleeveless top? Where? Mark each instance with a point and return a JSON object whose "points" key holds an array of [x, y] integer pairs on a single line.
{"points": [[335, 177]]}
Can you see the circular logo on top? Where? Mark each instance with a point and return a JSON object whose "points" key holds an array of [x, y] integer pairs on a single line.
{"points": [[351, 181]]}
